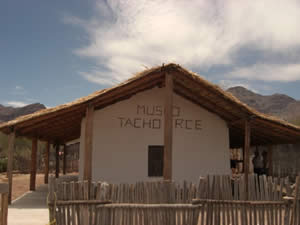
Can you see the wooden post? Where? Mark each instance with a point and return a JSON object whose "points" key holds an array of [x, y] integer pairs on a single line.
{"points": [[4, 208], [270, 160], [168, 127], [295, 205], [57, 160], [247, 156], [51, 199], [65, 160], [11, 148], [88, 145], [46, 176], [33, 164]]}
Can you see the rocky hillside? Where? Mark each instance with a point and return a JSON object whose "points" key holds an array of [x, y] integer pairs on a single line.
{"points": [[277, 104], [9, 113]]}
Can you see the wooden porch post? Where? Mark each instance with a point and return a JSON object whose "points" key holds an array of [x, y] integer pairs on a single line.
{"points": [[168, 127], [57, 160], [46, 176], [247, 156], [88, 145], [11, 149], [65, 160], [270, 160], [33, 164]]}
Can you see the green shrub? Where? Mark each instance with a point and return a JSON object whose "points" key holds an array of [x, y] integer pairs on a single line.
{"points": [[3, 165]]}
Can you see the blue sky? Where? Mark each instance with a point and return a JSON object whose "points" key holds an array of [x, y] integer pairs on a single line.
{"points": [[55, 51]]}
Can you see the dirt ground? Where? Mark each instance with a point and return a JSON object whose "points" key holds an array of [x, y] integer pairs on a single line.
{"points": [[21, 183]]}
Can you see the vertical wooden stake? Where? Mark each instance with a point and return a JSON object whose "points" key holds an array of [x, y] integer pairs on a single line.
{"points": [[51, 199], [4, 208], [65, 160], [11, 147], [33, 164], [295, 202], [270, 160], [88, 145], [247, 156], [46, 177], [168, 127], [57, 160]]}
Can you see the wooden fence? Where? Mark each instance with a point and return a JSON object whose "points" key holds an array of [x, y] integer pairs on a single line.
{"points": [[128, 214], [225, 212], [3, 203], [261, 188], [295, 217], [208, 212], [213, 200]]}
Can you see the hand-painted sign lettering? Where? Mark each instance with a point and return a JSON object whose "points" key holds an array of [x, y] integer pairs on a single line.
{"points": [[150, 117]]}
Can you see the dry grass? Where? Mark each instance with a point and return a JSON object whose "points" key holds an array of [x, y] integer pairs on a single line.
{"points": [[21, 183]]}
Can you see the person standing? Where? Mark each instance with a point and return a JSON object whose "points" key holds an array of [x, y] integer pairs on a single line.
{"points": [[258, 163], [266, 163]]}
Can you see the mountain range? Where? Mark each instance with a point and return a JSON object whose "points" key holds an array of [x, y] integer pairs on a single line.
{"points": [[279, 105], [9, 113]]}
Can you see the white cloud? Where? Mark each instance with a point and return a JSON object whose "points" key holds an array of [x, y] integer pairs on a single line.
{"points": [[16, 103], [98, 77], [268, 72], [19, 87], [198, 34], [18, 90]]}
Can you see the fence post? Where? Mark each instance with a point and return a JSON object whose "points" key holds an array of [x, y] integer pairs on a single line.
{"points": [[4, 208], [295, 203], [4, 203], [287, 209], [51, 199]]}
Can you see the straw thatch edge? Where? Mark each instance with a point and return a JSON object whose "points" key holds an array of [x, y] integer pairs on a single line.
{"points": [[252, 113]]}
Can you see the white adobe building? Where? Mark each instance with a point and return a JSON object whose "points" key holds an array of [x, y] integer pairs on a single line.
{"points": [[164, 123], [128, 137]]}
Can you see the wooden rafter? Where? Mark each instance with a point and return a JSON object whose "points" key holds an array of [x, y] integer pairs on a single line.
{"points": [[201, 101]]}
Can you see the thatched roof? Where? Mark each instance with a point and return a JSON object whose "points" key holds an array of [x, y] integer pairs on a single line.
{"points": [[62, 123]]}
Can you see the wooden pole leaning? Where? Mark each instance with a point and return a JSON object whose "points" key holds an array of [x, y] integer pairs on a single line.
{"points": [[57, 146], [11, 149], [168, 127], [3, 203], [33, 164], [4, 208], [51, 199], [88, 145], [65, 160], [270, 160], [295, 206], [247, 156], [46, 175]]}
